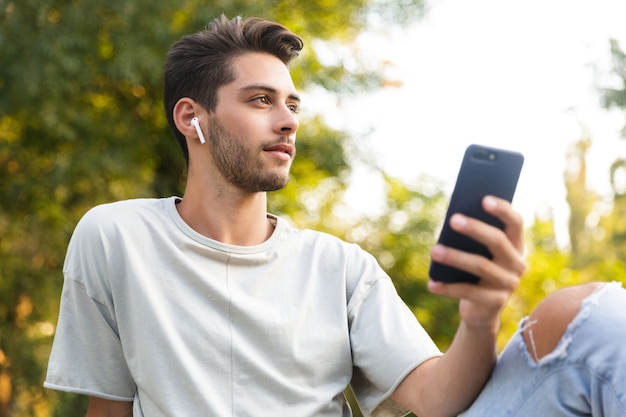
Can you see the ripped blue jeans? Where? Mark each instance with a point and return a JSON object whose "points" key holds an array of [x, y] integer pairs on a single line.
{"points": [[585, 375]]}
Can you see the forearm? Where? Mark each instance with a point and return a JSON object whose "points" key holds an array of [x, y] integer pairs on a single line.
{"points": [[459, 376], [100, 407], [448, 385]]}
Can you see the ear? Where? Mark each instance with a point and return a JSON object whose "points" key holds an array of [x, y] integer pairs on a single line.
{"points": [[185, 110]]}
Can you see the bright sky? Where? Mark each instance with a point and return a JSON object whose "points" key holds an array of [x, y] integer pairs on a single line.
{"points": [[517, 75]]}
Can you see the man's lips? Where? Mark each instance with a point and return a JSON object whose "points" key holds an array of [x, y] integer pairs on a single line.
{"points": [[281, 150]]}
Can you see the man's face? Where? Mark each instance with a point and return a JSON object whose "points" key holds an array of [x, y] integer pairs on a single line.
{"points": [[252, 132]]}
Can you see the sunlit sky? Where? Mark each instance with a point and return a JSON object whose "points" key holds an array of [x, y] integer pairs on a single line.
{"points": [[516, 75]]}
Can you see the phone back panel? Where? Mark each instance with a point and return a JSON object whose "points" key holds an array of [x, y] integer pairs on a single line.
{"points": [[484, 171]]}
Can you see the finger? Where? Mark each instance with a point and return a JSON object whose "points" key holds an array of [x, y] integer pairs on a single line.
{"points": [[484, 299], [492, 274], [504, 252], [513, 221]]}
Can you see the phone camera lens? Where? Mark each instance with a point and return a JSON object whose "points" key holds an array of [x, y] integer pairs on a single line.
{"points": [[484, 155]]}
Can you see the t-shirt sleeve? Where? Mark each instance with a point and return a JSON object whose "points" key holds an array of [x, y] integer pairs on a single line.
{"points": [[87, 356], [387, 341]]}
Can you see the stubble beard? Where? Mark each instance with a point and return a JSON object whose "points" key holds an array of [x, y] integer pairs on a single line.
{"points": [[235, 163]]}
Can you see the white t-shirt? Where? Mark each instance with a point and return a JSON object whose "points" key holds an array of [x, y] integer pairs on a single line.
{"points": [[183, 325]]}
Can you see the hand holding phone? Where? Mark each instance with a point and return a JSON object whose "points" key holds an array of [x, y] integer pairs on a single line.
{"points": [[484, 171]]}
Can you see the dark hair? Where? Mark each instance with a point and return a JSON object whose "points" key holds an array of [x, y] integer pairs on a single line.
{"points": [[198, 64]]}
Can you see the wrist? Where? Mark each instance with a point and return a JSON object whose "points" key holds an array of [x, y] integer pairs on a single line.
{"points": [[484, 330]]}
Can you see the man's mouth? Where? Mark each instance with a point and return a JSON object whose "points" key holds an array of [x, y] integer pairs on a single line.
{"points": [[281, 150]]}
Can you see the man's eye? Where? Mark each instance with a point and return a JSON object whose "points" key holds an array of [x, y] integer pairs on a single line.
{"points": [[293, 107], [262, 100]]}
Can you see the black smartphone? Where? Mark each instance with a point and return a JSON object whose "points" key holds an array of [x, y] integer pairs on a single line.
{"points": [[484, 171]]}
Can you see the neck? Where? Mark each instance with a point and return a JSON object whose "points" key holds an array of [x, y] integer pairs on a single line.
{"points": [[228, 216]]}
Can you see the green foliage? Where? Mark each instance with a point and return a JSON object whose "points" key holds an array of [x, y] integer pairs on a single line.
{"points": [[597, 250], [81, 123], [599, 246], [615, 97], [613, 226]]}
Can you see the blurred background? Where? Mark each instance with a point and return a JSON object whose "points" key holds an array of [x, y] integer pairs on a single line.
{"points": [[81, 123]]}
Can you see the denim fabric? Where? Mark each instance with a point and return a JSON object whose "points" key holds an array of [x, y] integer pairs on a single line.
{"points": [[585, 375]]}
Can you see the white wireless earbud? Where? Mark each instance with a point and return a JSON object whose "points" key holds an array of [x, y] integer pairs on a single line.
{"points": [[194, 123]]}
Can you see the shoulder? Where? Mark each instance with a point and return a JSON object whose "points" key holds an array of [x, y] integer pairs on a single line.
{"points": [[334, 245], [322, 250], [125, 208], [121, 212], [112, 219], [106, 230], [313, 241]]}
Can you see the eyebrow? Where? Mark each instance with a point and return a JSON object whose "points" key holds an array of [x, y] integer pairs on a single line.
{"points": [[268, 89]]}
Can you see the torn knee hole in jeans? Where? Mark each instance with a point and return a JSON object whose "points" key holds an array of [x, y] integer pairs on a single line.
{"points": [[559, 351]]}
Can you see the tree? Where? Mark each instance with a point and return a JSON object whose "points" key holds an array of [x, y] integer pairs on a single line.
{"points": [[81, 123], [616, 98], [581, 202], [597, 246]]}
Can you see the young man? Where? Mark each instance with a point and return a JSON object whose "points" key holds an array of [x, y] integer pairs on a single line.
{"points": [[209, 306]]}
